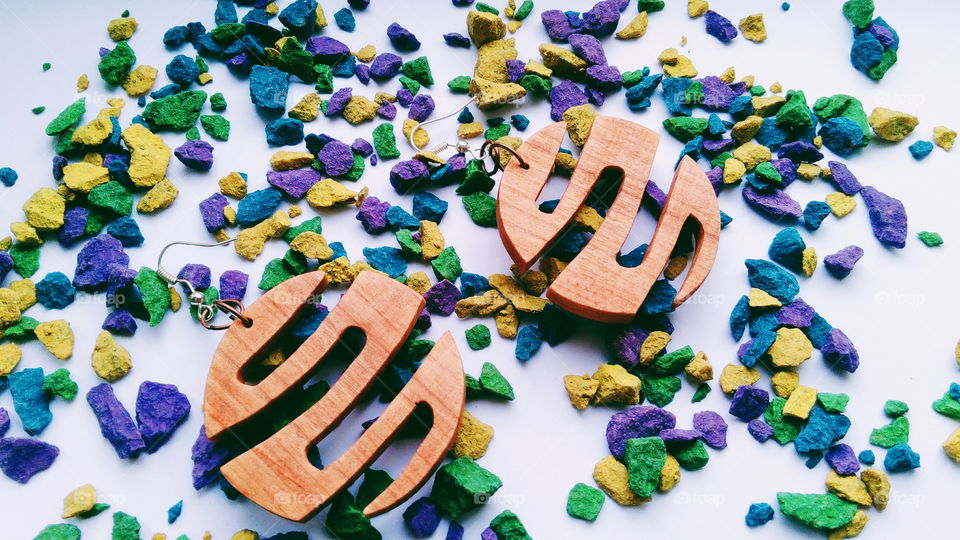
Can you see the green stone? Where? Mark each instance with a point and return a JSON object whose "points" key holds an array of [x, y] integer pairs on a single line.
{"points": [[459, 85], [111, 196], [22, 331], [660, 390], [60, 531], [930, 239], [486, 8], [794, 116], [892, 434], [356, 171], [858, 12], [650, 6], [125, 527], [785, 430], [536, 85], [701, 393], [685, 128], [60, 384], [153, 290], [584, 502], [887, 60], [473, 386], [410, 84], [346, 520], [229, 32], [946, 405], [757, 90], [414, 350], [894, 408], [201, 64], [216, 126], [674, 362], [482, 209], [475, 179], [385, 142], [98, 508], [324, 78], [819, 511], [631, 78], [276, 272], [691, 455], [833, 403], [218, 103], [508, 527], [296, 261], [694, 94], [478, 337], [192, 134], [721, 159], [846, 106], [46, 66], [523, 11], [462, 485], [296, 61], [373, 484], [176, 112], [496, 132], [115, 65], [96, 219], [311, 225], [493, 383], [65, 145], [26, 259], [768, 174], [210, 294], [409, 246], [67, 118], [38, 110], [447, 264], [644, 458]]}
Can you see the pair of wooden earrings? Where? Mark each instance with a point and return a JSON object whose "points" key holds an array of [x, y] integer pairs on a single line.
{"points": [[276, 473]]}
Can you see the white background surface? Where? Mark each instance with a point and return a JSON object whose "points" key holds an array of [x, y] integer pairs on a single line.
{"points": [[899, 307]]}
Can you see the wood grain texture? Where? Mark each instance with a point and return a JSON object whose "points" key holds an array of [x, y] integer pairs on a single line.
{"points": [[594, 285], [276, 473]]}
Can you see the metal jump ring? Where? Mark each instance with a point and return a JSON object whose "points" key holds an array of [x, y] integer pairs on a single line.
{"points": [[493, 149], [233, 309]]}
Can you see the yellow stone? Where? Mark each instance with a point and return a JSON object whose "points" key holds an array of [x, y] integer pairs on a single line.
{"points": [[311, 245], [45, 208], [140, 80], [808, 171], [746, 129], [122, 29], [951, 446], [776, 88], [246, 534], [149, 156], [767, 105], [696, 8], [762, 299], [790, 349], [366, 53], [421, 138], [9, 307], [513, 26], [204, 79], [852, 529], [784, 383], [328, 193], [841, 204], [250, 242], [613, 479], [849, 488], [285, 160], [420, 282], [734, 376], [733, 171], [10, 355], [491, 60], [487, 303], [485, 27], [93, 158], [381, 97], [588, 218], [944, 137], [699, 369], [809, 261], [752, 28], [473, 437], [580, 390], [83, 82], [507, 322], [878, 486], [491, 94], [339, 271], [158, 536], [533, 281], [579, 120], [891, 125], [233, 185], [110, 360], [26, 291], [99, 129], [360, 109], [800, 402], [175, 300], [670, 473], [655, 343], [749, 80], [319, 17], [512, 142], [294, 211], [469, 130], [676, 65], [729, 75], [636, 28], [818, 141], [562, 61], [230, 214], [616, 386], [564, 164], [25, 233], [512, 290], [79, 501], [307, 109], [363, 266], [431, 240], [537, 68], [752, 154], [158, 197], [6, 242]]}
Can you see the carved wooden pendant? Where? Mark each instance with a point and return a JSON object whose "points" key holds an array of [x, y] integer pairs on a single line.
{"points": [[594, 285], [276, 473]]}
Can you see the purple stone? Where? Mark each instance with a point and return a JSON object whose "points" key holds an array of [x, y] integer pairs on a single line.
{"points": [[233, 285], [882, 33], [679, 435], [595, 96], [719, 26], [59, 162], [488, 534], [887, 217], [839, 351], [797, 313], [787, 170], [408, 175], [715, 176], [362, 147], [626, 346], [556, 24], [454, 39], [603, 77], [402, 39], [601, 20], [4, 421], [387, 110], [197, 155], [207, 458], [294, 183], [843, 178], [713, 427], [374, 159], [240, 64], [197, 274], [654, 198], [516, 69], [717, 95], [777, 205], [716, 146], [20, 459], [94, 260], [385, 66], [373, 215], [749, 402], [115, 422], [843, 460], [455, 532], [421, 107], [120, 322], [362, 71], [338, 101], [404, 97], [211, 210], [640, 421], [587, 47], [119, 278], [74, 226], [800, 151], [422, 517], [759, 430], [326, 50], [841, 263], [337, 158], [423, 320], [160, 409], [562, 97], [442, 297]]}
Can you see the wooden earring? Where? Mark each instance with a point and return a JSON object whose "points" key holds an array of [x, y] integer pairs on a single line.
{"points": [[594, 285], [276, 473]]}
